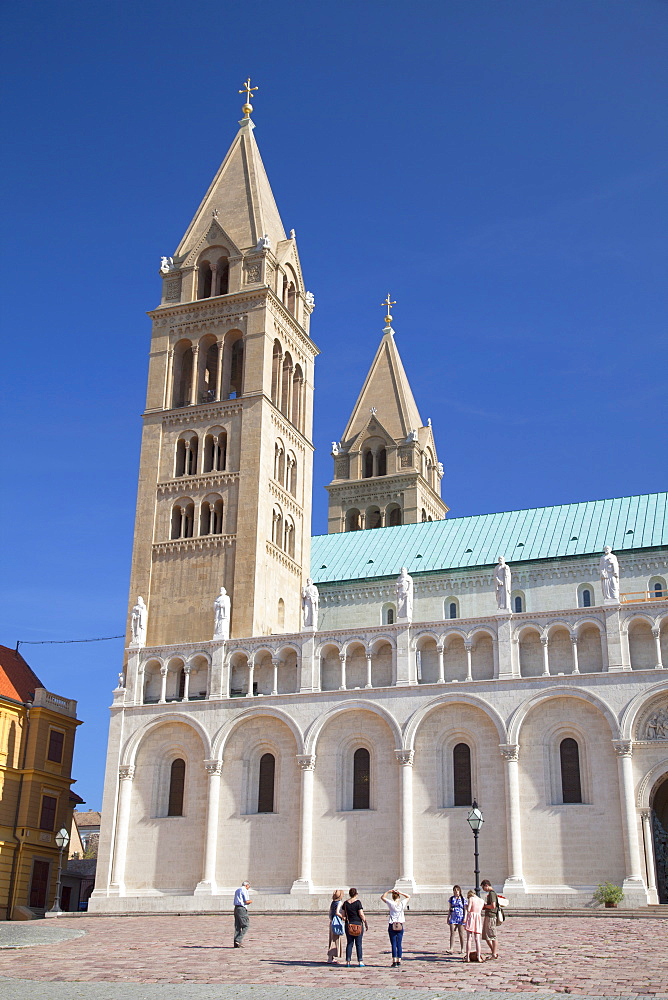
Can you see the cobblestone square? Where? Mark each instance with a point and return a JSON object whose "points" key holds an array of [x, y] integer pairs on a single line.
{"points": [[594, 957]]}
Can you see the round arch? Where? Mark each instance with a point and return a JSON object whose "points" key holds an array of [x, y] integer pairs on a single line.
{"points": [[222, 736], [133, 743], [452, 698], [484, 630], [313, 732], [649, 782], [636, 706], [516, 720]]}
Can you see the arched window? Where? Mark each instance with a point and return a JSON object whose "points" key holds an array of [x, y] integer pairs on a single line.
{"points": [[209, 379], [211, 517], [286, 383], [586, 598], [461, 769], [265, 787], [276, 364], [291, 474], [571, 785], [353, 520], [361, 779], [424, 515], [291, 298], [237, 369], [289, 543], [204, 283], [367, 464], [279, 462], [277, 527], [373, 518], [388, 614], [281, 615], [297, 386], [452, 609], [518, 604], [382, 462], [393, 515], [182, 683], [222, 277], [657, 589], [215, 452], [183, 374], [177, 778]]}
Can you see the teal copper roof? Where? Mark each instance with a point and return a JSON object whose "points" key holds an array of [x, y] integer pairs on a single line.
{"points": [[519, 535]]}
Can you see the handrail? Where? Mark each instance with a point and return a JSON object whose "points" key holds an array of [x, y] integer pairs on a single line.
{"points": [[642, 595]]}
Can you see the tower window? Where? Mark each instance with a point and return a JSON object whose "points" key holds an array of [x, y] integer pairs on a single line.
{"points": [[177, 777], [47, 815], [223, 277], [586, 598], [518, 605], [265, 791], [571, 785], [382, 462], [204, 284], [361, 778], [452, 610], [353, 520], [367, 462], [461, 766], [237, 369], [56, 743]]}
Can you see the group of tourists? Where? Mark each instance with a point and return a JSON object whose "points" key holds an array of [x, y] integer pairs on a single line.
{"points": [[475, 916]]}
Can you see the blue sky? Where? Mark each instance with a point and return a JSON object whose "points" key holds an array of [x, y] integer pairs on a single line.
{"points": [[500, 167]]}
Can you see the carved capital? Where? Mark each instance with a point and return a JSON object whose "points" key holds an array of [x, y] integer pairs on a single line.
{"points": [[404, 756], [574, 640], [623, 748], [187, 668], [544, 640], [213, 767], [656, 632], [306, 761], [164, 670], [126, 772], [275, 662], [342, 657], [510, 751], [646, 814]]}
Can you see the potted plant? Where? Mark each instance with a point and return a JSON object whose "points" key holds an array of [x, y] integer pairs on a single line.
{"points": [[609, 894]]}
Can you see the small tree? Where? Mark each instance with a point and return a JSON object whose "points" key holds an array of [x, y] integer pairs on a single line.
{"points": [[607, 892]]}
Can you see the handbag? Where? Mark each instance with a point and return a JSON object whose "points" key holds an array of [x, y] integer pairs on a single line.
{"points": [[397, 926], [353, 929], [338, 928]]}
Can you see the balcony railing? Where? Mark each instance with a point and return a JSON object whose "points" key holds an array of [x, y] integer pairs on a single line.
{"points": [[642, 595]]}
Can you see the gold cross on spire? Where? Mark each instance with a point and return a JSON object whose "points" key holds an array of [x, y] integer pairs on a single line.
{"points": [[248, 90], [388, 303]]}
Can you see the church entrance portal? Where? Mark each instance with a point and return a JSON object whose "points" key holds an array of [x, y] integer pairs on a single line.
{"points": [[660, 832]]}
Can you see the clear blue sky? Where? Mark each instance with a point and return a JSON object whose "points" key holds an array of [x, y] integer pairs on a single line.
{"points": [[500, 167]]}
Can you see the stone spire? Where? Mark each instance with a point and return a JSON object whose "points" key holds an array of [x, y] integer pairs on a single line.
{"points": [[239, 200]]}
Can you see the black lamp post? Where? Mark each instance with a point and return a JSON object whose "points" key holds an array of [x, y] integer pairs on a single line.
{"points": [[475, 821], [62, 839]]}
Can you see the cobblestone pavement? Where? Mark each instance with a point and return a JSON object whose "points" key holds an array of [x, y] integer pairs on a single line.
{"points": [[17, 934], [287, 956]]}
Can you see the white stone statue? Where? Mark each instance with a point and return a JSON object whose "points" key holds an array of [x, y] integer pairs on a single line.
{"points": [[335, 447], [503, 585], [404, 596], [412, 436], [309, 298], [608, 567], [439, 469], [264, 243], [166, 264], [293, 235], [138, 619], [121, 681], [222, 607], [310, 604]]}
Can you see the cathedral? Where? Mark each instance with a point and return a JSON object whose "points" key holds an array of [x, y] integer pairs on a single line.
{"points": [[313, 713]]}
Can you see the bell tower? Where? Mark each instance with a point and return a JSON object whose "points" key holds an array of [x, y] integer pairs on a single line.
{"points": [[386, 470], [225, 476]]}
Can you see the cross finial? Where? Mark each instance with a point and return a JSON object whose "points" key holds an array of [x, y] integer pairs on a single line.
{"points": [[388, 303], [248, 90]]}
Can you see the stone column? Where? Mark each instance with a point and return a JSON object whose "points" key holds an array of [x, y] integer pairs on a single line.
{"points": [[186, 683], [508, 665], [406, 881], [342, 657], [544, 641], [207, 886], [168, 394], [126, 773], [274, 683], [368, 670], [656, 632], [440, 648], [617, 657], [214, 280], [650, 864], [219, 683], [574, 646], [405, 672], [251, 675], [163, 685], [511, 756], [194, 386], [304, 883], [468, 646], [624, 751]]}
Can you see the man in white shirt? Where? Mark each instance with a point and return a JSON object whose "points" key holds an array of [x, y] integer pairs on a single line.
{"points": [[241, 919]]}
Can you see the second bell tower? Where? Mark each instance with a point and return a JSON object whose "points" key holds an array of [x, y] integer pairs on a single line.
{"points": [[226, 461]]}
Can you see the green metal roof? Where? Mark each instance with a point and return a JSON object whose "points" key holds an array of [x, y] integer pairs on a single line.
{"points": [[520, 535]]}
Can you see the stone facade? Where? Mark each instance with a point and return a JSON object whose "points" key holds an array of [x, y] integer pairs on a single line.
{"points": [[350, 753]]}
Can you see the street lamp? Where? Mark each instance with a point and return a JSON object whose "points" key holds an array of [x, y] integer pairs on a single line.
{"points": [[475, 821], [62, 839]]}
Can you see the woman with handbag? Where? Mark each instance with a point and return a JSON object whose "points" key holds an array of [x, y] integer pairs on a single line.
{"points": [[356, 924], [396, 920], [336, 927]]}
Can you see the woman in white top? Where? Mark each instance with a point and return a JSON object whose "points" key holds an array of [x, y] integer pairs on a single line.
{"points": [[396, 918]]}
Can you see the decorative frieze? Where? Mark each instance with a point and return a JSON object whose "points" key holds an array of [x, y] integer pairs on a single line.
{"points": [[190, 484], [285, 498], [198, 544], [623, 748], [284, 559], [201, 412], [305, 761]]}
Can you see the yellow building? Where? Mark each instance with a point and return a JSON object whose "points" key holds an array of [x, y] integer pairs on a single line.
{"points": [[37, 731]]}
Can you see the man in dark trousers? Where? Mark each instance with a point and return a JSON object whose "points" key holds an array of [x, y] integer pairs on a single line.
{"points": [[490, 910], [241, 919]]}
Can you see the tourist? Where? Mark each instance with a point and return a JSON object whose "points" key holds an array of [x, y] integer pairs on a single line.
{"points": [[241, 919], [456, 916], [355, 926], [396, 920], [336, 927], [473, 925], [491, 912]]}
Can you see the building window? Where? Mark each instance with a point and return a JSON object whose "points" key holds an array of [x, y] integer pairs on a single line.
{"points": [[361, 778], [39, 884], [367, 461], [56, 742], [452, 609], [586, 598], [265, 788], [47, 816], [382, 462], [353, 520], [571, 785], [461, 769], [658, 590], [177, 777], [518, 605], [388, 615]]}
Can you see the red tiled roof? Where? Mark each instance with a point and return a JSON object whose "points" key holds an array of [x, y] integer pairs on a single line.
{"points": [[17, 679]]}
